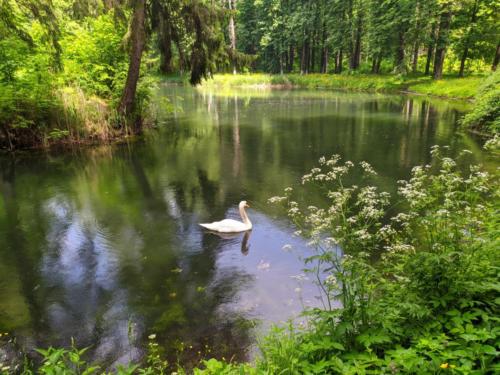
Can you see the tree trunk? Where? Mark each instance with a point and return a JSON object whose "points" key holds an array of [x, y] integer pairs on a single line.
{"points": [[496, 58], [324, 51], [400, 53], [374, 65], [137, 44], [430, 50], [467, 39], [291, 57], [377, 68], [324, 60], [312, 62], [232, 32], [442, 41], [338, 62], [303, 59], [306, 55], [462, 62], [165, 47], [415, 57], [356, 53]]}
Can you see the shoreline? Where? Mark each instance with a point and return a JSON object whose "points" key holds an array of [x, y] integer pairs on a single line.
{"points": [[449, 88]]}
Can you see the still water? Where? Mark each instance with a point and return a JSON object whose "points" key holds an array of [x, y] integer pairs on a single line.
{"points": [[102, 244]]}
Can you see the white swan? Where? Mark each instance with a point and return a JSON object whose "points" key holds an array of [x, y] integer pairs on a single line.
{"points": [[229, 225]]}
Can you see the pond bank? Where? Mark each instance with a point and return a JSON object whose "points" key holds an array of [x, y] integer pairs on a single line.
{"points": [[451, 87]]}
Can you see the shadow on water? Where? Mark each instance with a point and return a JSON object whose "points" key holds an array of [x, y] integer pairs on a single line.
{"points": [[103, 244]]}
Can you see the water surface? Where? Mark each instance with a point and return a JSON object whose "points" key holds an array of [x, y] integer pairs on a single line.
{"points": [[102, 244]]}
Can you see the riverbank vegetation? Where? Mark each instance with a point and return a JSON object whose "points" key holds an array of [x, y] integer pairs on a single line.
{"points": [[74, 71], [80, 70]]}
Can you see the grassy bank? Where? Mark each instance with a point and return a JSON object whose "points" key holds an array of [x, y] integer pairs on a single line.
{"points": [[449, 87]]}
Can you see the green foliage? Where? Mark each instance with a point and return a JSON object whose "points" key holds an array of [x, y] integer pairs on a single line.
{"points": [[429, 304], [332, 35], [94, 57], [485, 116], [41, 104], [62, 361]]}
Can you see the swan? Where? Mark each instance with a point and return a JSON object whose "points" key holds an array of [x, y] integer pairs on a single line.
{"points": [[230, 225]]}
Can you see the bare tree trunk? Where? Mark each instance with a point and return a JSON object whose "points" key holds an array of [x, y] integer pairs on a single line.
{"points": [[232, 32], [496, 58], [442, 41], [137, 44]]}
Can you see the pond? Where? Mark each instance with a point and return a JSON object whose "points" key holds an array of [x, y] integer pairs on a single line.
{"points": [[102, 244]]}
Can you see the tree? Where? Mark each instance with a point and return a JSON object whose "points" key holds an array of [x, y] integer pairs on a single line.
{"points": [[442, 39], [196, 20]]}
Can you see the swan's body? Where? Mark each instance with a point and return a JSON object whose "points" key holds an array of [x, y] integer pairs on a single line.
{"points": [[230, 225]]}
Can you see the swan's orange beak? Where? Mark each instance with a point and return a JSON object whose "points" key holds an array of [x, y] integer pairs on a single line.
{"points": [[247, 205]]}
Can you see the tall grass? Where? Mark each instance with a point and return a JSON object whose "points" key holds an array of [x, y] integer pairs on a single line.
{"points": [[63, 116]]}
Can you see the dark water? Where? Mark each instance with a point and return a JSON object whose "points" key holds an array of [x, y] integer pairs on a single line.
{"points": [[102, 244]]}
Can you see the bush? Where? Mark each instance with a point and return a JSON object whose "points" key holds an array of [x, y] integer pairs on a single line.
{"points": [[485, 116], [429, 304]]}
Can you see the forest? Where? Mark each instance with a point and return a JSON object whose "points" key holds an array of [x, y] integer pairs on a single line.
{"points": [[364, 135], [80, 71]]}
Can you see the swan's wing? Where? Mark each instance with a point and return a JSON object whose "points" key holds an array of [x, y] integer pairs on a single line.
{"points": [[226, 226]]}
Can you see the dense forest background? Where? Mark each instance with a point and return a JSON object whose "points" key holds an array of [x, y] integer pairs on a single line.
{"points": [[369, 35], [81, 70]]}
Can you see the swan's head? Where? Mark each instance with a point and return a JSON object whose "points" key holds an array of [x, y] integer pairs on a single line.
{"points": [[243, 204]]}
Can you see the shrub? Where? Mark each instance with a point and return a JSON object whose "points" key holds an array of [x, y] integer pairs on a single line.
{"points": [[485, 116], [429, 303]]}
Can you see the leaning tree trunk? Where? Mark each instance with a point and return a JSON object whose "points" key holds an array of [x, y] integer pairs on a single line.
{"points": [[137, 43], [442, 41], [496, 59]]}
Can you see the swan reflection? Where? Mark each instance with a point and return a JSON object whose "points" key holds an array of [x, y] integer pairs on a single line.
{"points": [[245, 246]]}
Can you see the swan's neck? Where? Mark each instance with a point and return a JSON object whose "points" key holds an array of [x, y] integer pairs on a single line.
{"points": [[244, 216]]}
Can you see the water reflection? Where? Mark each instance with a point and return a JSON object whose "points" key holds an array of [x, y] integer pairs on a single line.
{"points": [[245, 246], [103, 244]]}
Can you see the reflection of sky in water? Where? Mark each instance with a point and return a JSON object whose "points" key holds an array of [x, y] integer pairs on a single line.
{"points": [[275, 291], [84, 298]]}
